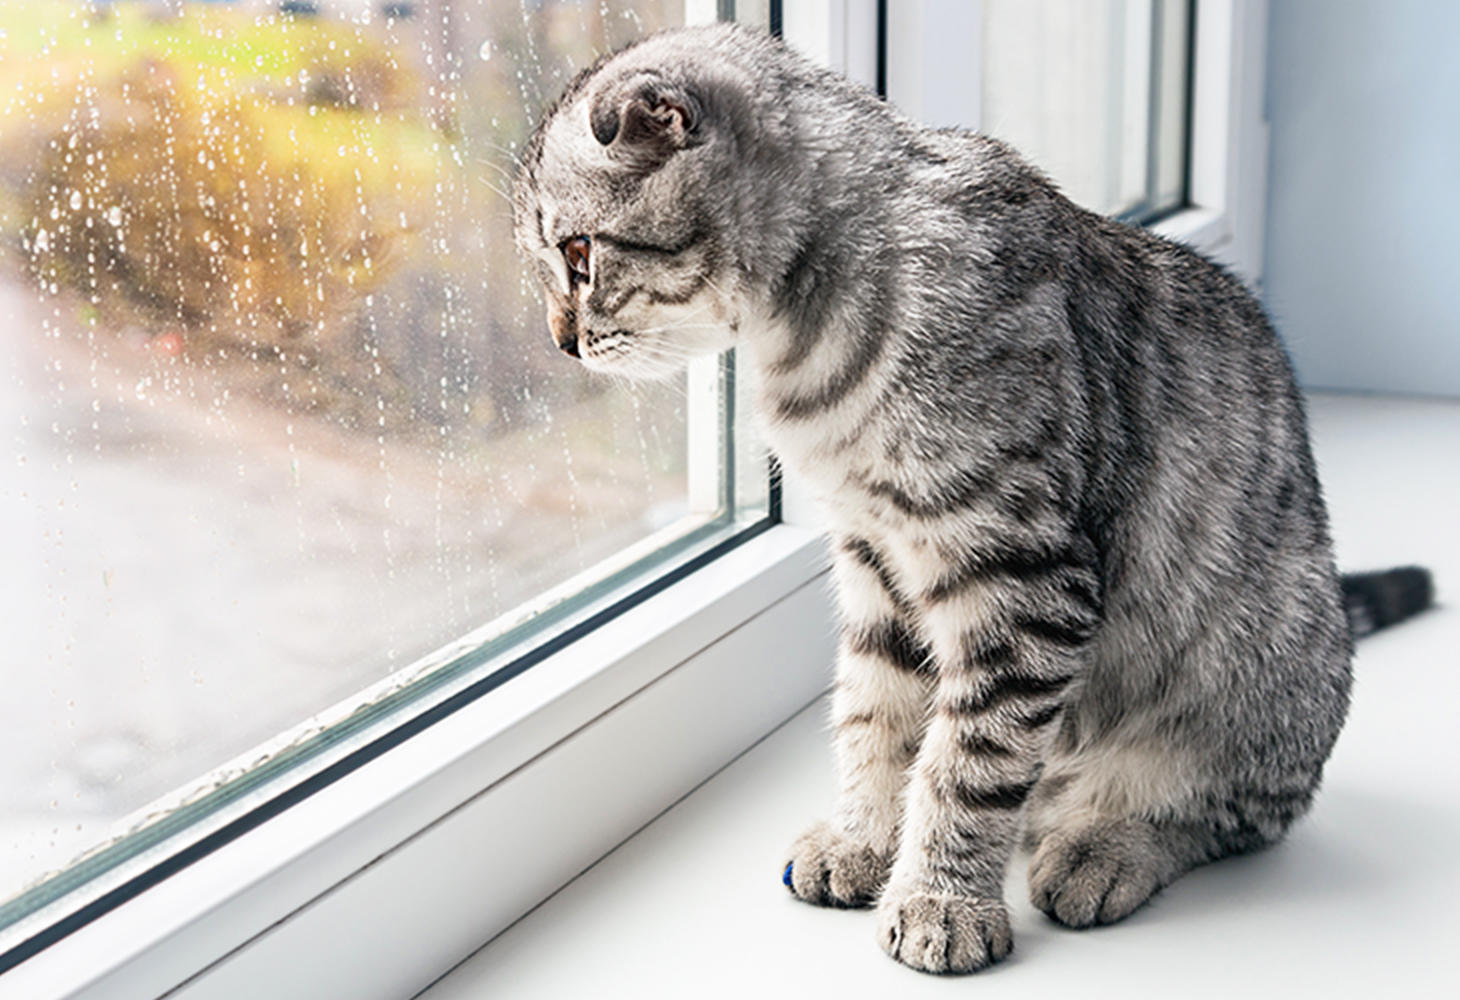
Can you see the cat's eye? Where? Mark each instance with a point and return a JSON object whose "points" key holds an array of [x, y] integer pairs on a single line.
{"points": [[576, 253]]}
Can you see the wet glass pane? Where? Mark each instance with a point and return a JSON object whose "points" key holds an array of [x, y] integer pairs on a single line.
{"points": [[1095, 93], [280, 413]]}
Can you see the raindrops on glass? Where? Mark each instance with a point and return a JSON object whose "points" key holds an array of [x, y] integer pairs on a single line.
{"points": [[283, 413]]}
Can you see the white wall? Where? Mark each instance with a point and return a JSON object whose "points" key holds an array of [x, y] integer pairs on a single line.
{"points": [[1363, 221]]}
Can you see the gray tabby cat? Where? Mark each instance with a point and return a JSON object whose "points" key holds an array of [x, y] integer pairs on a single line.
{"points": [[1082, 558]]}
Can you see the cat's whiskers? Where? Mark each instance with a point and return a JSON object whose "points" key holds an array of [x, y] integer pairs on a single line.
{"points": [[715, 288], [683, 322], [664, 350], [675, 327], [501, 170], [494, 188], [662, 376], [640, 358], [514, 157], [645, 369]]}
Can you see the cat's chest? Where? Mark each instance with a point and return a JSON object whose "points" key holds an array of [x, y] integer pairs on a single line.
{"points": [[833, 461], [839, 438]]}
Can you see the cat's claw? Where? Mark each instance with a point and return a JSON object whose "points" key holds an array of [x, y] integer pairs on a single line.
{"points": [[829, 869], [1097, 876], [940, 932]]}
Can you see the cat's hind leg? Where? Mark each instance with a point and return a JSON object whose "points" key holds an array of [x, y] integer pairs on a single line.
{"points": [[1107, 869], [878, 708], [1101, 850]]}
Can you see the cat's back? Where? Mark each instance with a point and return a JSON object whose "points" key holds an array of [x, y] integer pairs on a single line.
{"points": [[1156, 331], [1181, 414]]}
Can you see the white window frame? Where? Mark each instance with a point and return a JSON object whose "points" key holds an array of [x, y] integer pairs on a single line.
{"points": [[932, 75], [379, 883], [1229, 138]]}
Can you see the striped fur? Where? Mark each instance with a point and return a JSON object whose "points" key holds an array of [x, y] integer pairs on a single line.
{"points": [[1376, 600], [1082, 557]]}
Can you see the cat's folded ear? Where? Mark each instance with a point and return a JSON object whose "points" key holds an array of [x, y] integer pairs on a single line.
{"points": [[646, 118]]}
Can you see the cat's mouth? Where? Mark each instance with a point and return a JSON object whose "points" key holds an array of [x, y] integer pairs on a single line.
{"points": [[601, 345], [607, 347], [625, 352]]}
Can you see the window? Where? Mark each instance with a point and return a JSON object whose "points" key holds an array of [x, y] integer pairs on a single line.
{"points": [[398, 849], [294, 459], [1096, 94]]}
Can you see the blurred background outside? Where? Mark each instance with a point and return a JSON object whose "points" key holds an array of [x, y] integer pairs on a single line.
{"points": [[279, 414]]}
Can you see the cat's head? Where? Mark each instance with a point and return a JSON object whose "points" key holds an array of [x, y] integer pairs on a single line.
{"points": [[629, 200]]}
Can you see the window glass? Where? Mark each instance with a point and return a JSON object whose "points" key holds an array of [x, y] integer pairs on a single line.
{"points": [[1095, 92], [281, 417]]}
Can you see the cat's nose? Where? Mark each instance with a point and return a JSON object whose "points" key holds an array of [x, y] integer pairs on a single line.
{"points": [[563, 324]]}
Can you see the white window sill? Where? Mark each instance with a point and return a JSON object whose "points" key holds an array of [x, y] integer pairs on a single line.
{"points": [[1356, 902], [481, 815]]}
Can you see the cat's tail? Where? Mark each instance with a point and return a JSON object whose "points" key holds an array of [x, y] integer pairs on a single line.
{"points": [[1378, 600]]}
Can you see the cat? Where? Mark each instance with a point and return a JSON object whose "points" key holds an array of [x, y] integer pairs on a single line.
{"points": [[1082, 560]]}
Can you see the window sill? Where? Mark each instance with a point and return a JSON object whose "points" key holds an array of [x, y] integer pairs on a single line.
{"points": [[1203, 228], [451, 828], [693, 904]]}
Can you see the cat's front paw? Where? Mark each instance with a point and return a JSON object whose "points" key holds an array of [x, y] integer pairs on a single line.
{"points": [[939, 932], [830, 869]]}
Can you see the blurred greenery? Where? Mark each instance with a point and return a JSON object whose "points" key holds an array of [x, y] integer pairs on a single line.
{"points": [[204, 183], [323, 195]]}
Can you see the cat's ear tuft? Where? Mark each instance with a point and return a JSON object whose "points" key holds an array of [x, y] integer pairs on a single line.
{"points": [[645, 117]]}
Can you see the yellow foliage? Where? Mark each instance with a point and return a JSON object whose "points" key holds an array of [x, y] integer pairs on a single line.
{"points": [[228, 210]]}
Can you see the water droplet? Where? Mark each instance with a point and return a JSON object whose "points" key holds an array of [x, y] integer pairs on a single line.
{"points": [[485, 52]]}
